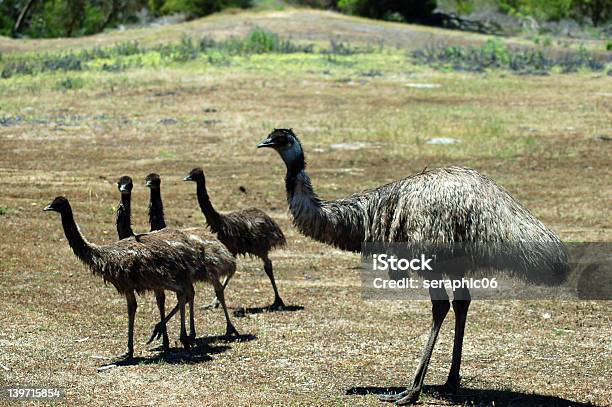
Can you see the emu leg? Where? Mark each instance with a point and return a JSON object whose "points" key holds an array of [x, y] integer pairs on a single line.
{"points": [[131, 309], [439, 309], [182, 299], [461, 304], [231, 329], [160, 327], [278, 301], [215, 302], [190, 299], [160, 298]]}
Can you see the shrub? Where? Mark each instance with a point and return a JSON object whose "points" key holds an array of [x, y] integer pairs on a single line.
{"points": [[598, 11], [259, 41], [199, 8], [410, 10], [68, 62], [495, 54], [549, 10], [68, 83]]}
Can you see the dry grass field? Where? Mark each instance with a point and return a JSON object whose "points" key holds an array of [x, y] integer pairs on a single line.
{"points": [[544, 138]]}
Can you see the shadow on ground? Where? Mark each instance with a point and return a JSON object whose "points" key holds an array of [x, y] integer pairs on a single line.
{"points": [[472, 396], [200, 351], [243, 312]]}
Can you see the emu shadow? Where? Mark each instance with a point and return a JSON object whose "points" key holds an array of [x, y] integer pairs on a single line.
{"points": [[200, 352], [243, 312], [472, 396], [208, 340]]}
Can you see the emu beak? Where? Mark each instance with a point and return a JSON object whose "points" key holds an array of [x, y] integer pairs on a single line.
{"points": [[187, 178], [122, 188], [266, 143], [148, 184], [47, 208]]}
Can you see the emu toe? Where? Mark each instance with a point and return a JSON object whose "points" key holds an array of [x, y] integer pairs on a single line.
{"points": [[393, 397], [231, 331], [215, 303], [158, 332], [411, 398], [278, 305], [186, 341], [451, 386], [127, 355], [165, 344]]}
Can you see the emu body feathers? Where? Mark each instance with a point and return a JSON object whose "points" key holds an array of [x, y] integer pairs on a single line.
{"points": [[442, 206]]}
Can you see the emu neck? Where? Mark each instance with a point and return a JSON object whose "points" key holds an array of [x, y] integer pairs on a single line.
{"points": [[156, 210], [81, 248], [124, 217], [331, 222], [213, 218], [304, 204]]}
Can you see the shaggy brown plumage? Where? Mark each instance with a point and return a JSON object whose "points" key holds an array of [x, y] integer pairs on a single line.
{"points": [[218, 262], [124, 230], [248, 231], [440, 206], [164, 260]]}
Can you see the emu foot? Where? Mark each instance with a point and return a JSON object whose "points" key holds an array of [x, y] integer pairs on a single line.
{"points": [[451, 386], [404, 398], [186, 341], [231, 331], [158, 332], [165, 344], [278, 305], [127, 355], [213, 305]]}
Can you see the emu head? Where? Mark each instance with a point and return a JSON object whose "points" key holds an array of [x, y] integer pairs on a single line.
{"points": [[125, 184], [195, 175], [287, 144], [59, 204], [153, 181]]}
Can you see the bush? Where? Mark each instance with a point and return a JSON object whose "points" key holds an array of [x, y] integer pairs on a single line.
{"points": [[325, 4], [71, 18], [494, 54], [598, 11], [409, 10], [546, 10], [199, 8], [68, 83]]}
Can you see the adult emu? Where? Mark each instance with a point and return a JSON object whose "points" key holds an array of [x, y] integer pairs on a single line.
{"points": [[441, 206], [124, 230], [157, 261], [247, 231], [217, 259]]}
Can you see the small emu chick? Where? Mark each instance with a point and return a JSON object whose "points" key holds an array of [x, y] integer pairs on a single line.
{"points": [[124, 230], [218, 259], [248, 231], [124, 210], [156, 261]]}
